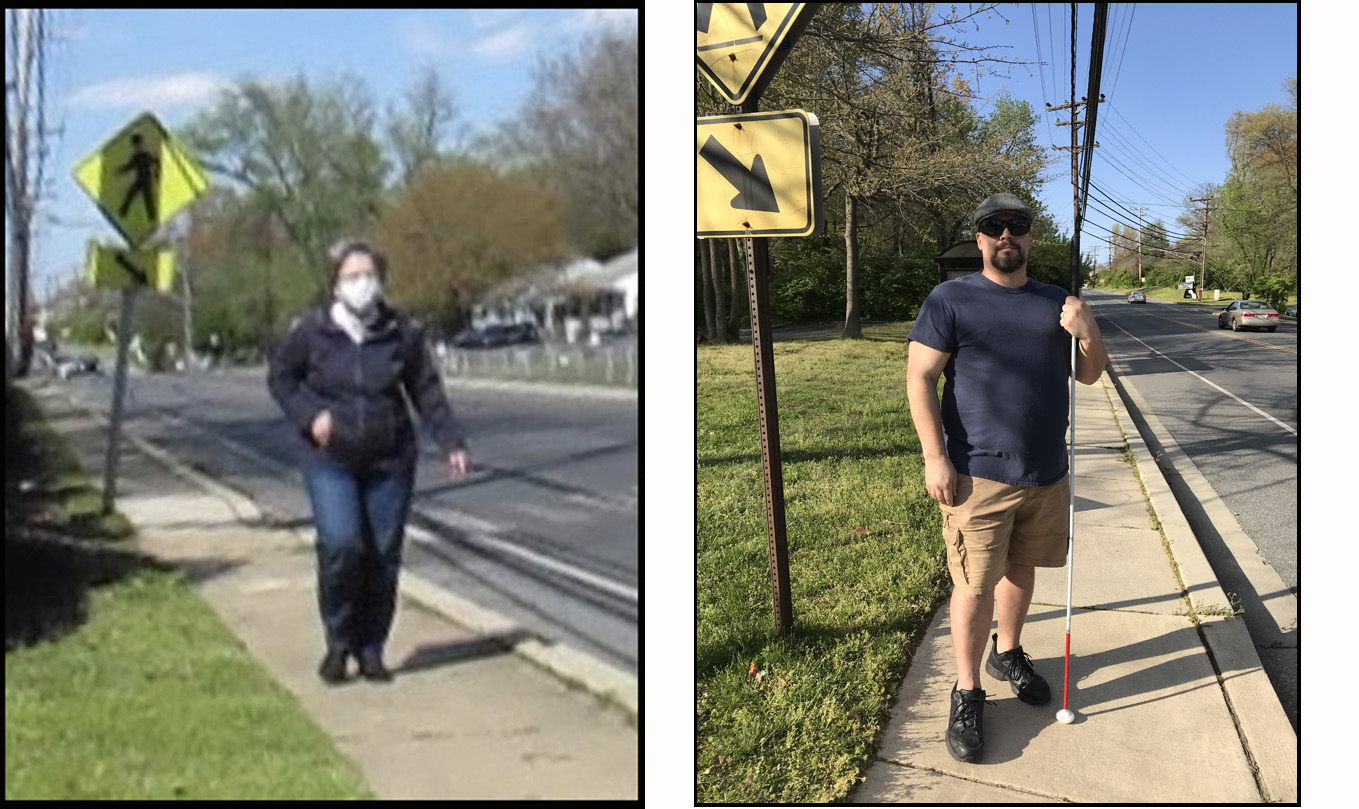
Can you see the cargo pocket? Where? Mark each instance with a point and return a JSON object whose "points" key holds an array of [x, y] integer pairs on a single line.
{"points": [[960, 548]]}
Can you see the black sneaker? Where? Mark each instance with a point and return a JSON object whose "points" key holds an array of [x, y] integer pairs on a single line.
{"points": [[964, 737], [372, 668], [333, 666], [1017, 667]]}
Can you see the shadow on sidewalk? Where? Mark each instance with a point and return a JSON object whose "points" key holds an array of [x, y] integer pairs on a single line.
{"points": [[431, 656]]}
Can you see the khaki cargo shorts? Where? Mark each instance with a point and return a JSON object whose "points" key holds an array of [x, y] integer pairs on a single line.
{"points": [[991, 524]]}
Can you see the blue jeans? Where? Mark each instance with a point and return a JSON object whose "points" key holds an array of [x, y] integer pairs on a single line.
{"points": [[360, 521]]}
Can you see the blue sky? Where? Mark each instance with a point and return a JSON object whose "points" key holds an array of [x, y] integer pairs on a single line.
{"points": [[1173, 75], [107, 66]]}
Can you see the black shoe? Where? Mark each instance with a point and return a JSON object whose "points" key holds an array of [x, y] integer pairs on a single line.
{"points": [[371, 667], [1017, 667], [333, 666], [964, 737]]}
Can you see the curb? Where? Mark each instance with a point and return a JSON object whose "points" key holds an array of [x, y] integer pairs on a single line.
{"points": [[610, 684], [1270, 741]]}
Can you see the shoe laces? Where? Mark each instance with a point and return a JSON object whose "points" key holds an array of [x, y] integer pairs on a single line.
{"points": [[969, 710], [1019, 665]]}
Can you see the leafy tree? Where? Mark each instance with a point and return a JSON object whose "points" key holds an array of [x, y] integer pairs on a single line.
{"points": [[463, 230], [1155, 241], [306, 155]]}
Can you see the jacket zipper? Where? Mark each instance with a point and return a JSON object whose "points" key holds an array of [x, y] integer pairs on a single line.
{"points": [[358, 382]]}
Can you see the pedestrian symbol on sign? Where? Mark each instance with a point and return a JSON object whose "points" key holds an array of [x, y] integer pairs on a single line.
{"points": [[140, 178], [146, 168]]}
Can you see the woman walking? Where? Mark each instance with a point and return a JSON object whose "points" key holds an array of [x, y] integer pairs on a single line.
{"points": [[343, 377]]}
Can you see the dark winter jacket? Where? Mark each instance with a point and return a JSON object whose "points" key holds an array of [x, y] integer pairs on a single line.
{"points": [[318, 367]]}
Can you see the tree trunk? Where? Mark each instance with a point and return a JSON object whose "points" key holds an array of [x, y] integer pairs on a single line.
{"points": [[709, 314], [852, 330], [719, 332], [740, 303]]}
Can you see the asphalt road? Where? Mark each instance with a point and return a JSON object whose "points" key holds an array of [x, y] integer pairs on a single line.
{"points": [[1230, 400], [544, 530]]}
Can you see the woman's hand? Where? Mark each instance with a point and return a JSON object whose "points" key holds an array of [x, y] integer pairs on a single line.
{"points": [[320, 428], [457, 463]]}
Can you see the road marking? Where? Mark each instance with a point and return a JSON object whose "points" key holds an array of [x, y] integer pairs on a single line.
{"points": [[582, 576], [1210, 383]]}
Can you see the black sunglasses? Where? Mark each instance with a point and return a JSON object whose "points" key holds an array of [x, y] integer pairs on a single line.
{"points": [[995, 227]]}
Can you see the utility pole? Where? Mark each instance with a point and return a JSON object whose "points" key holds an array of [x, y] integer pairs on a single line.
{"points": [[1139, 247], [1203, 254], [1075, 174], [18, 191]]}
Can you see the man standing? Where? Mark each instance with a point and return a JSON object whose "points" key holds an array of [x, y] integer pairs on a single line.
{"points": [[995, 454]]}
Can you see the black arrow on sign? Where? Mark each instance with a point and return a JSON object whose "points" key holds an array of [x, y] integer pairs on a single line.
{"points": [[757, 194], [137, 273]]}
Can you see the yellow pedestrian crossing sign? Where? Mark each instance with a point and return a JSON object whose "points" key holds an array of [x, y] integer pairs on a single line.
{"points": [[141, 178], [115, 268]]}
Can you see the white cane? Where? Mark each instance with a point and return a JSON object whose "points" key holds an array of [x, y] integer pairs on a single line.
{"points": [[1065, 715]]}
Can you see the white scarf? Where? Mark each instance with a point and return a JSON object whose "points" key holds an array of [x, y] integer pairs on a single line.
{"points": [[350, 322]]}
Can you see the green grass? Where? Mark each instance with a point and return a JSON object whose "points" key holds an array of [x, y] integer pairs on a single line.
{"points": [[153, 699], [149, 696], [866, 563]]}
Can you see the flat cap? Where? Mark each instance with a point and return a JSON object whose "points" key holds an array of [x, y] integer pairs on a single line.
{"points": [[1001, 203]]}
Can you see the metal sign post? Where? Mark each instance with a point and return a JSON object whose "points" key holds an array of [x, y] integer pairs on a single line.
{"points": [[739, 48], [119, 387]]}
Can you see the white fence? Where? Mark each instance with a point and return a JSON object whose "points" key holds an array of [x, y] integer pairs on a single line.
{"points": [[613, 363]]}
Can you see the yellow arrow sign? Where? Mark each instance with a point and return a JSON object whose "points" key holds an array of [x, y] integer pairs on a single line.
{"points": [[759, 175], [115, 268], [141, 178], [739, 43]]}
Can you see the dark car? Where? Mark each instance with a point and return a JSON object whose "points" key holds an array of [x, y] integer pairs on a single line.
{"points": [[1137, 296], [66, 366], [1248, 315], [496, 335]]}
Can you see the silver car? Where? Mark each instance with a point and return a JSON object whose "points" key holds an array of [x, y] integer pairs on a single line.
{"points": [[1248, 315]]}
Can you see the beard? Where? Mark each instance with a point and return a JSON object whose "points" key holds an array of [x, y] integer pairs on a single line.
{"points": [[1009, 259]]}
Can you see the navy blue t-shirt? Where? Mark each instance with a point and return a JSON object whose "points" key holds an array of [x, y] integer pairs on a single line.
{"points": [[1005, 385]]}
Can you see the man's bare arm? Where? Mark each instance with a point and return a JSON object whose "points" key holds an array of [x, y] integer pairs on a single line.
{"points": [[923, 367]]}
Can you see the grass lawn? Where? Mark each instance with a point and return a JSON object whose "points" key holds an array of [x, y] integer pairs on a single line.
{"points": [[141, 692], [866, 563]]}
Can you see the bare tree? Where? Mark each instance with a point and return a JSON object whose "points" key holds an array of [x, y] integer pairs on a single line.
{"points": [[427, 127], [580, 126]]}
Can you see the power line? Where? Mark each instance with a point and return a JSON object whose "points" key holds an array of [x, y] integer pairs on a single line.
{"points": [[1117, 141], [1144, 140], [1127, 31], [1107, 198], [1041, 73]]}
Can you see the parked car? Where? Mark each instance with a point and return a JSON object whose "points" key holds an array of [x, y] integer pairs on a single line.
{"points": [[1137, 296], [66, 366], [1248, 315], [1291, 311], [496, 335]]}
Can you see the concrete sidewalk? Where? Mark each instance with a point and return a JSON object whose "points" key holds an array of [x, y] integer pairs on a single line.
{"points": [[1172, 703], [469, 714]]}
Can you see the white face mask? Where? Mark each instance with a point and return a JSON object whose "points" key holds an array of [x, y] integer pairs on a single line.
{"points": [[360, 293]]}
